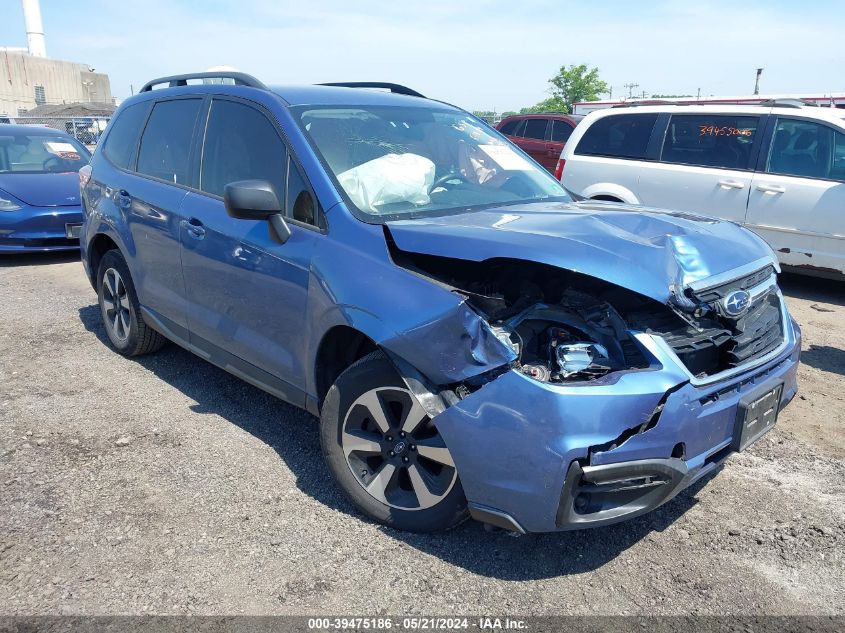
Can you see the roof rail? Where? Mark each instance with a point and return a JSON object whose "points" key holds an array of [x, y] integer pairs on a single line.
{"points": [[240, 79], [647, 102], [396, 88], [787, 103]]}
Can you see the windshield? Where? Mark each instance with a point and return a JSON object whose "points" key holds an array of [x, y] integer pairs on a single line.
{"points": [[396, 162], [40, 153]]}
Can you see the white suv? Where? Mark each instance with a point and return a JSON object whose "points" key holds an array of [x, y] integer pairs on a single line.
{"points": [[777, 169]]}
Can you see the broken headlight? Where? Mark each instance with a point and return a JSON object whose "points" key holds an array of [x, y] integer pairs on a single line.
{"points": [[574, 358], [552, 353]]}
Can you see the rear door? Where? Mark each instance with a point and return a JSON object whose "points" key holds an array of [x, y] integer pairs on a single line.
{"points": [[534, 142], [246, 293], [151, 200], [705, 165], [797, 201]]}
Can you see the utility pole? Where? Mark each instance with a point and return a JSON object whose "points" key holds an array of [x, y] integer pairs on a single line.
{"points": [[610, 94], [757, 81], [643, 94], [630, 86], [698, 96]]}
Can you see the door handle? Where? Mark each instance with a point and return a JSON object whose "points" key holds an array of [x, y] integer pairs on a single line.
{"points": [[194, 228], [771, 189], [731, 184]]}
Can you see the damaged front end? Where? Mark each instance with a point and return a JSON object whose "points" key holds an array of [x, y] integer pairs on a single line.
{"points": [[553, 326], [604, 403]]}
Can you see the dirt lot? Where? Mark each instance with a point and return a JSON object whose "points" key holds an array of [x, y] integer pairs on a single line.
{"points": [[164, 485]]}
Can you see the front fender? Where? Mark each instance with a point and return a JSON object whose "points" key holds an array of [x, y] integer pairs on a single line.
{"points": [[410, 316], [451, 347]]}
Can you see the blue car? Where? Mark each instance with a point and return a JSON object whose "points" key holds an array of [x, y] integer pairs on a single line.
{"points": [[39, 189], [473, 341]]}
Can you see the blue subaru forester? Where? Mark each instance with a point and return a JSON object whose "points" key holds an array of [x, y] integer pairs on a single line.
{"points": [[472, 339]]}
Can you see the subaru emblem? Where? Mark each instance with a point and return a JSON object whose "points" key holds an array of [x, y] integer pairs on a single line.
{"points": [[736, 303]]}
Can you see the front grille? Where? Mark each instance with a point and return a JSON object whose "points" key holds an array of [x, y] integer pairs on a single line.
{"points": [[758, 331], [715, 293], [712, 342]]}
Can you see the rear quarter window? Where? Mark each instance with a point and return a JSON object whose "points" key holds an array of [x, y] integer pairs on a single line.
{"points": [[166, 144], [561, 131], [123, 136], [618, 136], [509, 126]]}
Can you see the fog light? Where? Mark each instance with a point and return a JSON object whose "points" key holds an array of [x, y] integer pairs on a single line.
{"points": [[582, 501]]}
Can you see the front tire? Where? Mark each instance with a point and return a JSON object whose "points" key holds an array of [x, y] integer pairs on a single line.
{"points": [[121, 312], [386, 454]]}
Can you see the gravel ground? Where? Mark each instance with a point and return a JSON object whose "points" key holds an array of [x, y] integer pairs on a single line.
{"points": [[164, 485]]}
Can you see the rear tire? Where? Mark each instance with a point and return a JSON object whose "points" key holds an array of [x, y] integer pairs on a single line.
{"points": [[120, 310], [385, 453]]}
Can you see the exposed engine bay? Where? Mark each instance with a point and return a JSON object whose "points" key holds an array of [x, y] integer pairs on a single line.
{"points": [[560, 328], [567, 327]]}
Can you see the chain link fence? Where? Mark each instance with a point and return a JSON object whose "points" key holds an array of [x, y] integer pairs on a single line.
{"points": [[85, 129]]}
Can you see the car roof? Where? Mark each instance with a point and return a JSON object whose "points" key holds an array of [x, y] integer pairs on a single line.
{"points": [[234, 82], [341, 95], [822, 113], [545, 115]]}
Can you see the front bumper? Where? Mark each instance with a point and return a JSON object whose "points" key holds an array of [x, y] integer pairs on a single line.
{"points": [[526, 450], [38, 229]]}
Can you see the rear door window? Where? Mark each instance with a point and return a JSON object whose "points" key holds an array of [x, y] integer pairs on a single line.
{"points": [[561, 131], [120, 144], [618, 136], [807, 149], [708, 140], [536, 129], [241, 144], [166, 143]]}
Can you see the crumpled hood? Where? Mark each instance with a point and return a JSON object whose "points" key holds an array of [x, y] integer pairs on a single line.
{"points": [[43, 190], [649, 251]]}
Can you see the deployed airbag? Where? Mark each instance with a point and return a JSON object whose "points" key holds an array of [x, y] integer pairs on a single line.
{"points": [[389, 179]]}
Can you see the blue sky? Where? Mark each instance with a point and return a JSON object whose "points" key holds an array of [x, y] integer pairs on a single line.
{"points": [[473, 53]]}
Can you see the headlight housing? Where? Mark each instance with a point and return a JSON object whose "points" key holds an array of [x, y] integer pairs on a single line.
{"points": [[8, 203]]}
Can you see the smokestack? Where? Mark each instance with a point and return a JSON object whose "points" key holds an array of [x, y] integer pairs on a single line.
{"points": [[34, 28]]}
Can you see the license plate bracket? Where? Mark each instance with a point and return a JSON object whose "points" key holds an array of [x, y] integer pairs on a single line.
{"points": [[756, 414], [72, 231]]}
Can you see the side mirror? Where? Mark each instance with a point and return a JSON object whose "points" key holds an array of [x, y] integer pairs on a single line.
{"points": [[256, 200]]}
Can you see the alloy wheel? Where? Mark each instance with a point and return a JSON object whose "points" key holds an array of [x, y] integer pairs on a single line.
{"points": [[395, 451], [117, 309]]}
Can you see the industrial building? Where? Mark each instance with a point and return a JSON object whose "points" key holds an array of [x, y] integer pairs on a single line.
{"points": [[28, 78]]}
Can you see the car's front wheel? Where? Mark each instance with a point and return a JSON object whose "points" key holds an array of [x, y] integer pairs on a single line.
{"points": [[385, 452], [121, 312]]}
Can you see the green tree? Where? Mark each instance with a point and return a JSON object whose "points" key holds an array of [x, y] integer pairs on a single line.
{"points": [[552, 104], [575, 83]]}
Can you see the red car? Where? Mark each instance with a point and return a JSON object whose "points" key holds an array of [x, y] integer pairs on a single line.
{"points": [[540, 135]]}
